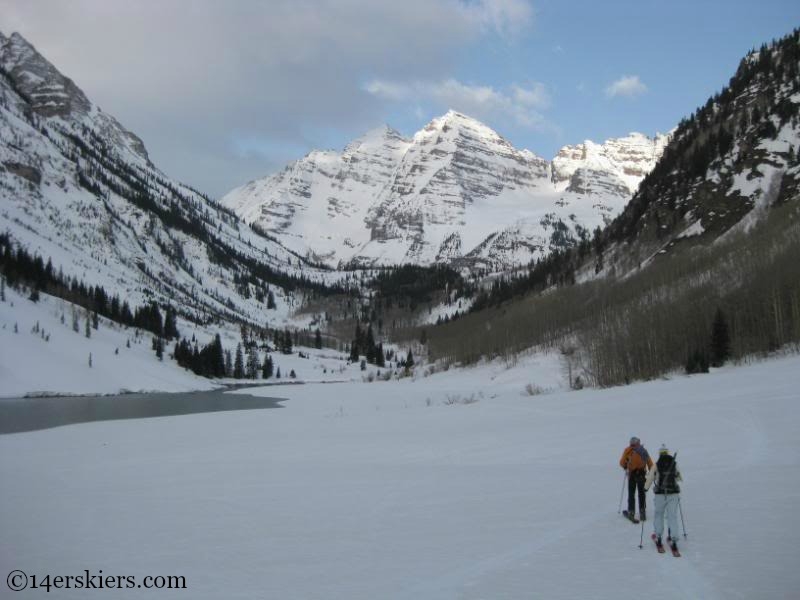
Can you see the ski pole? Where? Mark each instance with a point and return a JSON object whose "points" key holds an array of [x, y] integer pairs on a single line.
{"points": [[641, 536], [680, 506], [680, 510]]}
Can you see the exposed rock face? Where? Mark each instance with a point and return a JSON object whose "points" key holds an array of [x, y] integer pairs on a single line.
{"points": [[50, 94], [627, 159], [28, 172], [39, 82], [456, 192]]}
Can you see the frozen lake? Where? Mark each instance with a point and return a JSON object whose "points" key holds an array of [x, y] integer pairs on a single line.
{"points": [[31, 414]]}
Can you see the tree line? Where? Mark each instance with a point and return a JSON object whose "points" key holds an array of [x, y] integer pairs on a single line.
{"points": [[21, 268]]}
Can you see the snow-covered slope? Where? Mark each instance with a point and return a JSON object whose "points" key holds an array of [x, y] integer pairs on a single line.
{"points": [[456, 192], [454, 486], [79, 189], [42, 354]]}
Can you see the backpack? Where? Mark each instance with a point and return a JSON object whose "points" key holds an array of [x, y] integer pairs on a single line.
{"points": [[667, 482], [637, 459]]}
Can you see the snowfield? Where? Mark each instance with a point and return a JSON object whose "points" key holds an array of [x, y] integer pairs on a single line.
{"points": [[457, 485], [55, 359], [61, 363]]}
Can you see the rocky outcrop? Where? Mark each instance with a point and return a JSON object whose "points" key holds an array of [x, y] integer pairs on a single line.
{"points": [[39, 82], [628, 159], [48, 93], [32, 174]]}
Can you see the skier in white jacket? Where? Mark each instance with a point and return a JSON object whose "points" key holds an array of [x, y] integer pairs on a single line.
{"points": [[666, 476]]}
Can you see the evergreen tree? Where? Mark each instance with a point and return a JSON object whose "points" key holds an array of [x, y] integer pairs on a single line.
{"points": [[355, 346], [409, 360], [216, 357], [159, 348], [278, 373], [95, 321], [171, 324], [228, 364], [238, 366], [720, 349], [252, 364], [3, 289], [88, 329], [697, 362], [318, 339], [271, 300], [380, 358], [292, 374], [369, 345], [286, 347], [267, 369]]}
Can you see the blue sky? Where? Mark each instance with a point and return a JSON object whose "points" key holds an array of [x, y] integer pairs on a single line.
{"points": [[681, 53], [225, 92]]}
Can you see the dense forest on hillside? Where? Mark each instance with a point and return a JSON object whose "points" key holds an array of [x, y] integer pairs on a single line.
{"points": [[656, 320]]}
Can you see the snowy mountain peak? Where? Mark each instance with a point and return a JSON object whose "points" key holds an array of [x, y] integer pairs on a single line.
{"points": [[454, 125], [456, 191], [453, 118], [49, 93], [375, 140], [630, 157]]}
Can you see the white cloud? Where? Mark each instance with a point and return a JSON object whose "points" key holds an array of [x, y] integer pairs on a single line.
{"points": [[627, 85], [395, 92], [519, 106], [536, 96]]}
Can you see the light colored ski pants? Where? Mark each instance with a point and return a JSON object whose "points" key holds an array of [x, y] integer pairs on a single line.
{"points": [[666, 503]]}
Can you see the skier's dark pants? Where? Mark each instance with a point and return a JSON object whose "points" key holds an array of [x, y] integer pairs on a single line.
{"points": [[636, 481]]}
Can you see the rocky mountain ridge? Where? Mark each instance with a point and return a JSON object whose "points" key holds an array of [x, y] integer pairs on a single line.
{"points": [[455, 192]]}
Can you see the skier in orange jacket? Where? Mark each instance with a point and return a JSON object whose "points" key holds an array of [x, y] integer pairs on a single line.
{"points": [[636, 462]]}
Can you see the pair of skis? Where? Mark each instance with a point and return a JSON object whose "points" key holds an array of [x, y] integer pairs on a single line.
{"points": [[660, 547]]}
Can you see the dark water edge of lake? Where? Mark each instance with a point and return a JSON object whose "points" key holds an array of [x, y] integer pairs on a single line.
{"points": [[18, 415]]}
